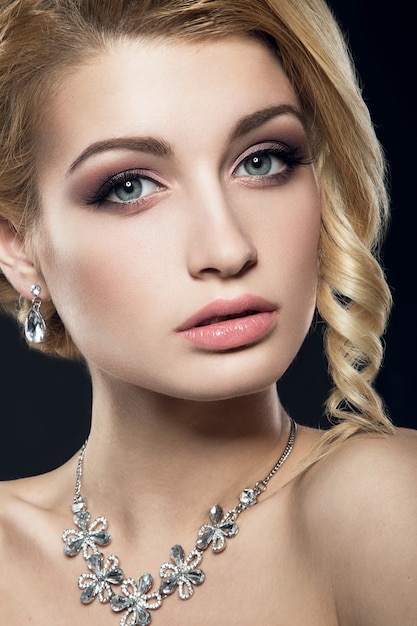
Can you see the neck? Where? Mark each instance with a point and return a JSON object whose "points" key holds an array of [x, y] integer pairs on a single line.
{"points": [[150, 450]]}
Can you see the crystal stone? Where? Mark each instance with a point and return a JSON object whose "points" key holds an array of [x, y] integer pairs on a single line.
{"points": [[79, 504], [145, 582], [71, 548], [35, 329], [216, 513], [196, 577], [248, 497], [95, 562], [82, 519], [142, 617], [177, 554], [205, 539], [101, 538], [168, 585], [89, 593], [119, 603]]}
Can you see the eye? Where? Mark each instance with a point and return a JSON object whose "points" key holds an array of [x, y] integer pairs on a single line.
{"points": [[261, 164], [125, 188], [131, 188], [270, 164]]}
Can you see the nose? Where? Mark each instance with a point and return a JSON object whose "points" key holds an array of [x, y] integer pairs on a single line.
{"points": [[219, 242]]}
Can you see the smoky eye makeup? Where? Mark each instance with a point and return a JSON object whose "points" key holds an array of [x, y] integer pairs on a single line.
{"points": [[117, 187], [270, 162], [125, 187], [266, 155]]}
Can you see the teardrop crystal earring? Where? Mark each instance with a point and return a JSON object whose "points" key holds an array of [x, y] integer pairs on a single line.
{"points": [[35, 327]]}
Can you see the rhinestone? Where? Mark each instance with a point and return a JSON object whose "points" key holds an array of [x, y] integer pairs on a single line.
{"points": [[73, 547], [145, 582], [203, 542], [248, 498], [82, 519], [177, 554], [35, 329], [216, 513], [144, 617], [115, 576], [95, 562], [119, 603], [35, 290], [196, 577], [79, 504], [89, 593], [230, 529], [101, 538], [169, 585]]}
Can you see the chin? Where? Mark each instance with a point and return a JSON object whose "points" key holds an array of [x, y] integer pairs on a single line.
{"points": [[225, 387]]}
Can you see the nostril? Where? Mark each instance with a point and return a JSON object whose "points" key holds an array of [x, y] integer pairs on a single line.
{"points": [[250, 263]]}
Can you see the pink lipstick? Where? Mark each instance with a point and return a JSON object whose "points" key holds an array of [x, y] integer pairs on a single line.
{"points": [[228, 324]]}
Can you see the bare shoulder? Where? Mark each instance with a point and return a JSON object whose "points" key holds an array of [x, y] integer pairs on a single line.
{"points": [[32, 510], [382, 465], [359, 512], [23, 507], [24, 501], [16, 497], [33, 488], [370, 458]]}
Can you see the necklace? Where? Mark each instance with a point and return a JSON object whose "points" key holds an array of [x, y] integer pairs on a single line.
{"points": [[182, 573]]}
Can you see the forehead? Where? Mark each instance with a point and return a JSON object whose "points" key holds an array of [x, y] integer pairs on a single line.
{"points": [[146, 87]]}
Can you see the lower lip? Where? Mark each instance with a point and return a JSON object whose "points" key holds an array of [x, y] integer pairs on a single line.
{"points": [[232, 333]]}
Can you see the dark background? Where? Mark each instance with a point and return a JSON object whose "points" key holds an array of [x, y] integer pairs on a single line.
{"points": [[46, 402]]}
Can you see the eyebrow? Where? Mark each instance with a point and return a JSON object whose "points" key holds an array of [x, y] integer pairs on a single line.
{"points": [[140, 144], [252, 121], [158, 147]]}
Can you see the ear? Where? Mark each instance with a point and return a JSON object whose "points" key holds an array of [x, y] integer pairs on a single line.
{"points": [[16, 264]]}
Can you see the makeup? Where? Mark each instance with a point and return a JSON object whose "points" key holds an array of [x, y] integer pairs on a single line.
{"points": [[230, 324]]}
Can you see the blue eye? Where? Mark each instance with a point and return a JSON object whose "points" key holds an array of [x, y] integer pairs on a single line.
{"points": [[275, 163], [261, 164], [130, 189]]}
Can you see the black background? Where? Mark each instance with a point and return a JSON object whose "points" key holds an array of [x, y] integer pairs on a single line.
{"points": [[46, 401]]}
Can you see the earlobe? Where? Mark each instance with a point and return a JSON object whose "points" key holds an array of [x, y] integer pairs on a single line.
{"points": [[16, 264]]}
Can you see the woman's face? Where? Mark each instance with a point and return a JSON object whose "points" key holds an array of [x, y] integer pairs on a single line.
{"points": [[180, 216]]}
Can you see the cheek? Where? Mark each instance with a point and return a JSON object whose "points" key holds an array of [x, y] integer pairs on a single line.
{"points": [[302, 248], [100, 273], [293, 234], [296, 243]]}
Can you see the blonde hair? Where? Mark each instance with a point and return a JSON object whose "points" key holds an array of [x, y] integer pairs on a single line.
{"points": [[40, 39]]}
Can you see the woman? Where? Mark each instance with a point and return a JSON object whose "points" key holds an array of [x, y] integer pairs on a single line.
{"points": [[182, 184]]}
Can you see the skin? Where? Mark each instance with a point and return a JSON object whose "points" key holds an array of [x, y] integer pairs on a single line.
{"points": [[177, 427]]}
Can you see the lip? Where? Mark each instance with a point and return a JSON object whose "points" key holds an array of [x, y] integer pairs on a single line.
{"points": [[228, 324]]}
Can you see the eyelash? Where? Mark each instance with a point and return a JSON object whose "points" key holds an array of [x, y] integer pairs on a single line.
{"points": [[291, 158], [100, 197]]}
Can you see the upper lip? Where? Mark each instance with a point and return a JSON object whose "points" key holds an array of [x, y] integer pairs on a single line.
{"points": [[220, 308]]}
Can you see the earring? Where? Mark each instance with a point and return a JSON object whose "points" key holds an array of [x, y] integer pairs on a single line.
{"points": [[35, 327]]}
